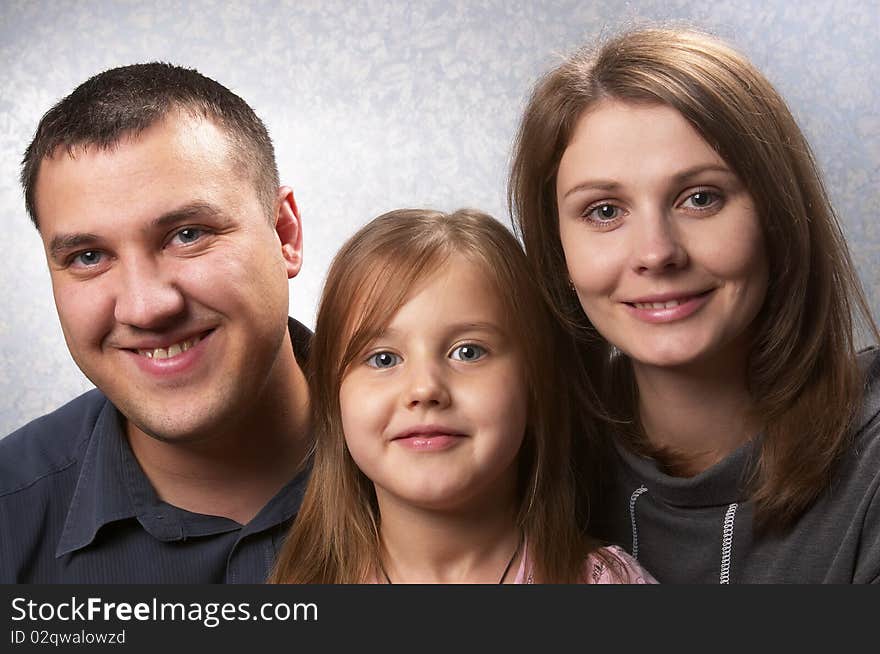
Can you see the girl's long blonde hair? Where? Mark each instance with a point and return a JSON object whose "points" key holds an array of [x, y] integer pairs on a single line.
{"points": [[335, 538], [802, 373]]}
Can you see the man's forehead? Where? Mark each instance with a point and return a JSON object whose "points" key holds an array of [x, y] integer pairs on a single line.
{"points": [[177, 153], [186, 128], [142, 183]]}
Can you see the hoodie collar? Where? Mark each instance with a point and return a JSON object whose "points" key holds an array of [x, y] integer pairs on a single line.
{"points": [[722, 484]]}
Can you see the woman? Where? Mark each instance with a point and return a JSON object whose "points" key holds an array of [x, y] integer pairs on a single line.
{"points": [[672, 208]]}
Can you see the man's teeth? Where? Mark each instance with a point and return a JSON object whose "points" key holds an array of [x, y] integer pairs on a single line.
{"points": [[657, 305], [172, 351]]}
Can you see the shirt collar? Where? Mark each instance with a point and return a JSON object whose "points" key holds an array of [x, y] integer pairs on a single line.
{"points": [[112, 486], [100, 496], [284, 505]]}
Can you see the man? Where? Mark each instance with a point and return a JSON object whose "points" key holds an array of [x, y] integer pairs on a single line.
{"points": [[170, 245]]}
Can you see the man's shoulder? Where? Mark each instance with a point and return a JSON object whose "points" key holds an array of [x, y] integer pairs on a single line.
{"points": [[301, 339], [48, 444]]}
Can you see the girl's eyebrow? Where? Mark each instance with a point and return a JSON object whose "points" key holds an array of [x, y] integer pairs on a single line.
{"points": [[454, 328], [475, 326]]}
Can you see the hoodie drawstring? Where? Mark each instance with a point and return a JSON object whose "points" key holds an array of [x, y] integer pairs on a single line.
{"points": [[726, 533], [632, 518], [727, 543]]}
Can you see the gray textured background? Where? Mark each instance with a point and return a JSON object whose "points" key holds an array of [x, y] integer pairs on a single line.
{"points": [[375, 105]]}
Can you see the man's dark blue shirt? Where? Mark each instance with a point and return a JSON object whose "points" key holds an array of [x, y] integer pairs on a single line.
{"points": [[76, 507]]}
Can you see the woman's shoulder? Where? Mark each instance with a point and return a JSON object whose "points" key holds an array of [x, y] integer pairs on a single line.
{"points": [[613, 565], [867, 427], [869, 364]]}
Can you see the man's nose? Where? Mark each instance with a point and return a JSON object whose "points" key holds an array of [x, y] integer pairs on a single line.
{"points": [[147, 298]]}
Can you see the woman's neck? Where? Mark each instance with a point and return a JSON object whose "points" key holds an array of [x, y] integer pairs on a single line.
{"points": [[695, 417], [475, 545]]}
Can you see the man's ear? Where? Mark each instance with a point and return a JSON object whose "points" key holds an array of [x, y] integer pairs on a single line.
{"points": [[289, 228]]}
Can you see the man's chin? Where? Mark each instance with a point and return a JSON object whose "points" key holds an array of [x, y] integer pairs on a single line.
{"points": [[188, 430]]}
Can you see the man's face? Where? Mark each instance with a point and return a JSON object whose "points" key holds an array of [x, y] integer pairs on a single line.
{"points": [[169, 278]]}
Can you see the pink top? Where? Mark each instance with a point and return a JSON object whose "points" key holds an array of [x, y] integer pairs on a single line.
{"points": [[620, 568]]}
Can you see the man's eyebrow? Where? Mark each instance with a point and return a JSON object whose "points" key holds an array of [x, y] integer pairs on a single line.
{"points": [[188, 212], [62, 243], [65, 242]]}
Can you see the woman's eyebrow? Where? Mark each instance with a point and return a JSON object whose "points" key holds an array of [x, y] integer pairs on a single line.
{"points": [[699, 169], [593, 184], [679, 177]]}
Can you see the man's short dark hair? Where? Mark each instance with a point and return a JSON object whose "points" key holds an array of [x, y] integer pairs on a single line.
{"points": [[123, 102]]}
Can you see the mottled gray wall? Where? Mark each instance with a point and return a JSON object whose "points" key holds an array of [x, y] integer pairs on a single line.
{"points": [[377, 105]]}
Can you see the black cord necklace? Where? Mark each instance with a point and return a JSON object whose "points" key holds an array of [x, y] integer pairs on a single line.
{"points": [[503, 574]]}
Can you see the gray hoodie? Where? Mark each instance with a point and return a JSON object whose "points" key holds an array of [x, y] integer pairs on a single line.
{"points": [[699, 529]]}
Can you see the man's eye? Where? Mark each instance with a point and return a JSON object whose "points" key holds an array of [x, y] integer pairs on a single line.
{"points": [[468, 352], [189, 234], [382, 360], [86, 259]]}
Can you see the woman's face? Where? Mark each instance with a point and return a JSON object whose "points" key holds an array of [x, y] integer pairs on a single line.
{"points": [[662, 241]]}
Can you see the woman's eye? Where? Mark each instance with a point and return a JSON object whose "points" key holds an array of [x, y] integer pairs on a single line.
{"points": [[189, 235], [603, 213], [87, 259], [468, 352], [382, 360], [701, 200]]}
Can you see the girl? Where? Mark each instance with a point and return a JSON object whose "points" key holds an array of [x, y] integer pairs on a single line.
{"points": [[673, 212], [442, 426]]}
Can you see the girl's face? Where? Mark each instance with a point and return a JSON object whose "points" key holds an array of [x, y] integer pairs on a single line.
{"points": [[662, 241], [434, 409]]}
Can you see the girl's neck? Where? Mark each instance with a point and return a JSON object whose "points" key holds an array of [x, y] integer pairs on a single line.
{"points": [[697, 416], [474, 545]]}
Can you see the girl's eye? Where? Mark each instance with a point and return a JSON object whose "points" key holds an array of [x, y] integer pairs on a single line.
{"points": [[603, 213], [701, 200], [87, 259], [189, 235], [467, 352], [382, 360]]}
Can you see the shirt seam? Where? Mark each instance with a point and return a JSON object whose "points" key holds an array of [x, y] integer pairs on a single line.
{"points": [[33, 482]]}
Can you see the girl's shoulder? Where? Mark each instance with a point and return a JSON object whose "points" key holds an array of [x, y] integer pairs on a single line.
{"points": [[613, 565]]}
